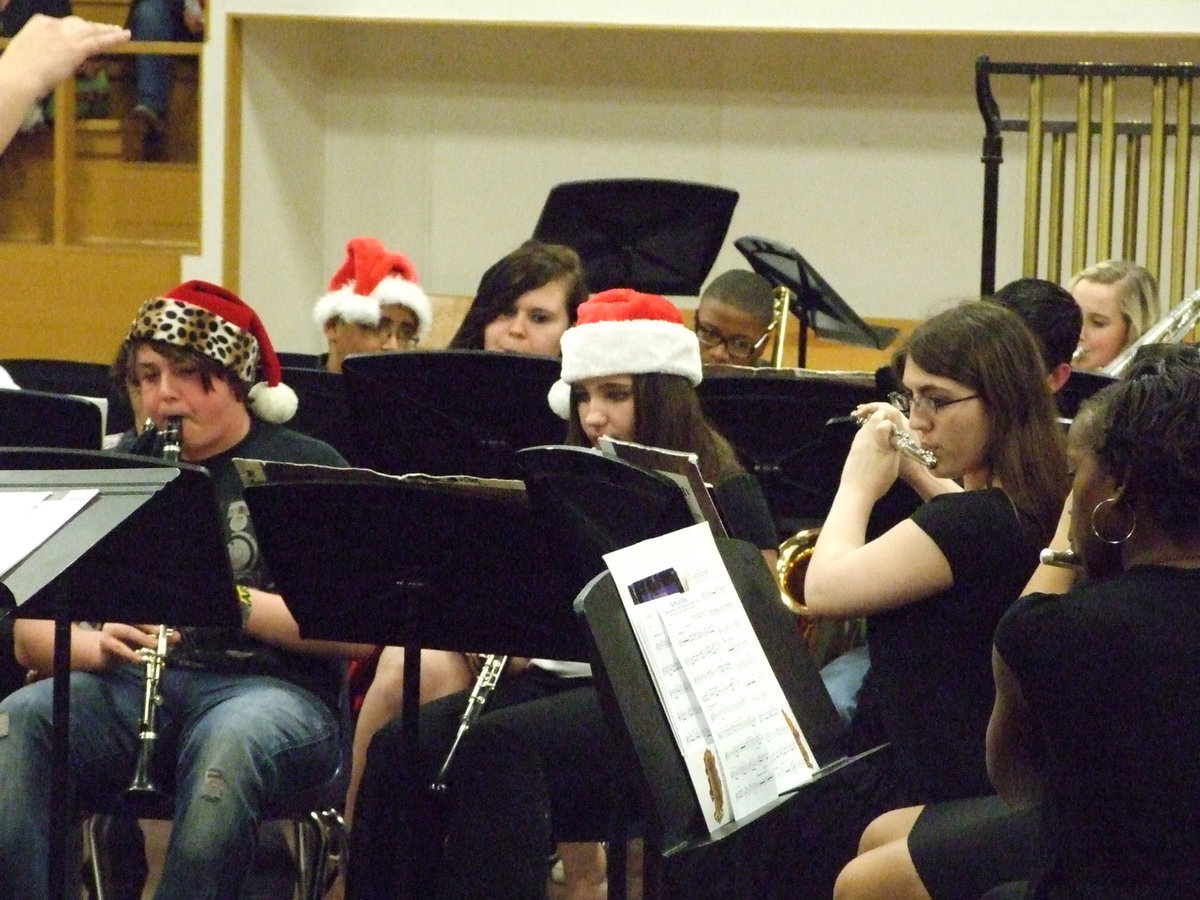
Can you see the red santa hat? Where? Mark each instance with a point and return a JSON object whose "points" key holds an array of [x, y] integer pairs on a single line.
{"points": [[624, 332], [215, 322], [372, 276]]}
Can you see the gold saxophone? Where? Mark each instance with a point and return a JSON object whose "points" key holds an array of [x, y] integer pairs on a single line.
{"points": [[142, 785]]}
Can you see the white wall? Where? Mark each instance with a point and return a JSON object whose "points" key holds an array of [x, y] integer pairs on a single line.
{"points": [[860, 149]]}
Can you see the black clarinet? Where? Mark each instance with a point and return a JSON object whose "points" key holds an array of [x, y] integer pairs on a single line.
{"points": [[141, 785], [489, 674]]}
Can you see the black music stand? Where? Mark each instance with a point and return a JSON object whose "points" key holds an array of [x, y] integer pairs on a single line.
{"points": [[814, 302], [418, 566], [69, 376], [677, 838], [43, 419], [323, 411], [649, 234], [449, 412], [776, 423], [148, 548]]}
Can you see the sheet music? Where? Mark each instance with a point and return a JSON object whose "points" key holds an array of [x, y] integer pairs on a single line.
{"points": [[735, 729], [29, 518]]}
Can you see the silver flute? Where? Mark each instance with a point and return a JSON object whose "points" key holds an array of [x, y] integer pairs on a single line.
{"points": [[904, 443], [141, 784], [489, 674]]}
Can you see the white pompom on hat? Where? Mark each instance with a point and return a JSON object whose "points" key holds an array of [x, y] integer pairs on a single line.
{"points": [[216, 323], [372, 276], [625, 332]]}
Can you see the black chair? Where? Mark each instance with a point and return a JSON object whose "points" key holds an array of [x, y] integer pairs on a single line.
{"points": [[748, 857], [319, 833], [68, 376]]}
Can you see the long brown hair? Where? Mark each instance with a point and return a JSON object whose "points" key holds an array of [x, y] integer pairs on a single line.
{"points": [[988, 349], [526, 269], [667, 414]]}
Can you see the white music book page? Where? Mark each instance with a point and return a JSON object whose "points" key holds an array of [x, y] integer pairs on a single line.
{"points": [[734, 727], [30, 518]]}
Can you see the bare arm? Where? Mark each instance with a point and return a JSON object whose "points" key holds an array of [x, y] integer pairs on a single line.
{"points": [[847, 576], [44, 52], [1012, 741], [271, 622], [1054, 579], [91, 649]]}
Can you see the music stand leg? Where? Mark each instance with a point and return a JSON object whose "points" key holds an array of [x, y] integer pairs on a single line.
{"points": [[410, 738], [60, 759]]}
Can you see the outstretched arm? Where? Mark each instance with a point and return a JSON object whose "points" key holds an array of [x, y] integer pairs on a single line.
{"points": [[44, 52]]}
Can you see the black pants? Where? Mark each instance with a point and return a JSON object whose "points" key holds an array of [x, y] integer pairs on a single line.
{"points": [[538, 767]]}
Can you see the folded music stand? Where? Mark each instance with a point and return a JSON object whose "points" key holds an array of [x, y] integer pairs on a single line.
{"points": [[649, 234], [148, 548], [449, 412], [814, 302], [44, 419]]}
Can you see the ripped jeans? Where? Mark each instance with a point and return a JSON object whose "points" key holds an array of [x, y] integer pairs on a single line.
{"points": [[238, 743]]}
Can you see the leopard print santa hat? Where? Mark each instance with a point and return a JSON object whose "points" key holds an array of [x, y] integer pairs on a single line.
{"points": [[210, 320]]}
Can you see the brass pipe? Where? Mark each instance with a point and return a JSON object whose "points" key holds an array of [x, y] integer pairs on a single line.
{"points": [[1054, 223], [783, 298], [1083, 159], [1179, 210], [1133, 179], [1108, 167], [1157, 181], [1033, 177]]}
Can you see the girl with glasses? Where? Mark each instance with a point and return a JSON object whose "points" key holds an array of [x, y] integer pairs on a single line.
{"points": [[934, 586]]}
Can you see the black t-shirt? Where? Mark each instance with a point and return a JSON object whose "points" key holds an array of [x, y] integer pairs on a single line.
{"points": [[231, 649], [1111, 673], [931, 672]]}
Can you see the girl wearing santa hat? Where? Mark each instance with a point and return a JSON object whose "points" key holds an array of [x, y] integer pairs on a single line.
{"points": [[540, 761]]}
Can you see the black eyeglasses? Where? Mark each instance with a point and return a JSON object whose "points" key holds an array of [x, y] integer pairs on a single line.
{"points": [[906, 403], [737, 347]]}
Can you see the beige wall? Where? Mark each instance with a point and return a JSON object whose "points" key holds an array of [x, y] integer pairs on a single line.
{"points": [[861, 150]]}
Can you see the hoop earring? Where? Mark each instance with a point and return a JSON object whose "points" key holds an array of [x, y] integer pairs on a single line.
{"points": [[1105, 521]]}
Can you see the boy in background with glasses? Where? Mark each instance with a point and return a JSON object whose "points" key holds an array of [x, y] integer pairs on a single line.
{"points": [[735, 319], [374, 304]]}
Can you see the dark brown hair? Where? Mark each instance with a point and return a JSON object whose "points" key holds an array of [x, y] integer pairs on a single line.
{"points": [[527, 268], [667, 414]]}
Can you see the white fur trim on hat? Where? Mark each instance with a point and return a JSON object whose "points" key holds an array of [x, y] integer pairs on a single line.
{"points": [[348, 306], [273, 404], [625, 347], [394, 289]]}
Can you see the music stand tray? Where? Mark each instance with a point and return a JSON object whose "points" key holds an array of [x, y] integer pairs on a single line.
{"points": [[649, 234], [815, 303]]}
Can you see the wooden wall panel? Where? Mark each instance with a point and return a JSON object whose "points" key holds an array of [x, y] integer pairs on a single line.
{"points": [[75, 302]]}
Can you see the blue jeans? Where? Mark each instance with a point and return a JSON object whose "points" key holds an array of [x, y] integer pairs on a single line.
{"points": [[156, 20], [843, 679], [239, 744]]}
